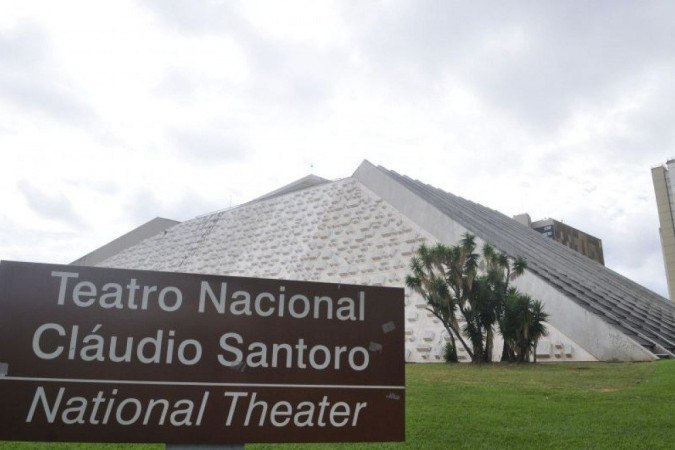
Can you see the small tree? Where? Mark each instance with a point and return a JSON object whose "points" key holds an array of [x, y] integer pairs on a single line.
{"points": [[523, 324], [428, 279], [450, 353], [503, 269], [449, 280]]}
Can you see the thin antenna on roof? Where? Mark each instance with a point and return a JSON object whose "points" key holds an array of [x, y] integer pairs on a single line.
{"points": [[311, 168]]}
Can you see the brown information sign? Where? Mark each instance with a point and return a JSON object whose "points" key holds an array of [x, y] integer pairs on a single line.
{"points": [[111, 355]]}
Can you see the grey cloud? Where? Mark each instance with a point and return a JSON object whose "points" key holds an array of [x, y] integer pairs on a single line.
{"points": [[101, 186], [219, 18], [22, 46], [637, 253], [55, 101], [145, 205], [651, 126], [29, 82], [424, 37], [178, 84], [50, 205], [634, 247], [565, 55], [299, 87], [187, 16], [23, 242], [572, 52], [295, 76], [582, 53], [628, 227], [209, 145]]}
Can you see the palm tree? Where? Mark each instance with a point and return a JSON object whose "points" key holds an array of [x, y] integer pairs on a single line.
{"points": [[537, 327], [503, 269], [523, 324], [461, 269], [449, 280], [473, 293], [429, 272]]}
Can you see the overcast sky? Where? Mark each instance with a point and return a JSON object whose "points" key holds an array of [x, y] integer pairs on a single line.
{"points": [[112, 113]]}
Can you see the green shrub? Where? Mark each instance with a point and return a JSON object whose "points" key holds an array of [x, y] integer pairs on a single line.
{"points": [[450, 353]]}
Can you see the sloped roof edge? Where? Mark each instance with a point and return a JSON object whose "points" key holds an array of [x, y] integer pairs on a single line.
{"points": [[129, 239], [297, 185], [641, 314]]}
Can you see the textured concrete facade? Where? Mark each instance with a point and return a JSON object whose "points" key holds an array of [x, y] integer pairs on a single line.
{"points": [[338, 232], [364, 229]]}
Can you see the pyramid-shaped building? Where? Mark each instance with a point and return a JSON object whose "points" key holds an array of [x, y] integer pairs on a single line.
{"points": [[364, 230]]}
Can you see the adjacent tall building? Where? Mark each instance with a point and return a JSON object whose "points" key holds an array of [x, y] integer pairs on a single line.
{"points": [[663, 178], [579, 241]]}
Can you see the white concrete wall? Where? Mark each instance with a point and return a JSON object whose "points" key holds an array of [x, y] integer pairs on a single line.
{"points": [[598, 338]]}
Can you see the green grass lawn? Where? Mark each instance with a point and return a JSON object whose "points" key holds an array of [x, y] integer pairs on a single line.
{"points": [[573, 405]]}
